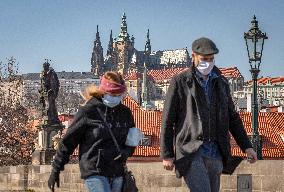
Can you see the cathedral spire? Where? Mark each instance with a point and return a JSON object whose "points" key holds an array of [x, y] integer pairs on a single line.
{"points": [[110, 44], [145, 97], [98, 40], [123, 35], [148, 43], [147, 51], [124, 24], [97, 55]]}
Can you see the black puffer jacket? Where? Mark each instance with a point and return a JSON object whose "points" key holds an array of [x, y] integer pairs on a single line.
{"points": [[96, 147]]}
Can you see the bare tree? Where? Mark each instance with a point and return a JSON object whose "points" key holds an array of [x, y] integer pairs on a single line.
{"points": [[31, 101], [67, 101], [16, 132]]}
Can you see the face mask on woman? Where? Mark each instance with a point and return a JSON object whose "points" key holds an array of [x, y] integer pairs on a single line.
{"points": [[111, 101]]}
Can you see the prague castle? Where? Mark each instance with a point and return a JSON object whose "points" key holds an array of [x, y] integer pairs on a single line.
{"points": [[122, 55], [147, 73]]}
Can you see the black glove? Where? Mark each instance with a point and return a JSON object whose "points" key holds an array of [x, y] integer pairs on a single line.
{"points": [[125, 153], [53, 178]]}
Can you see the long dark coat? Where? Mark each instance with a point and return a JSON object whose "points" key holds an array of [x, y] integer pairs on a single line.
{"points": [[183, 125]]}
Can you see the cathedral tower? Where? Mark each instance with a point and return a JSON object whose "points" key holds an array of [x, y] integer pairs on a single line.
{"points": [[124, 47], [97, 59]]}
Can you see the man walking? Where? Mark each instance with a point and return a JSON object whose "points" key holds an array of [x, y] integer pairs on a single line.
{"points": [[198, 115]]}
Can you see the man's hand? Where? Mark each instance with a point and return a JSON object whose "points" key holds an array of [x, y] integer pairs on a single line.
{"points": [[251, 155], [168, 164], [53, 178]]}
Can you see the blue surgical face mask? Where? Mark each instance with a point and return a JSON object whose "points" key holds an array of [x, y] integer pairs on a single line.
{"points": [[111, 101]]}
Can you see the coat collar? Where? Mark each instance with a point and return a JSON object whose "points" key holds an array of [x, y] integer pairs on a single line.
{"points": [[189, 74]]}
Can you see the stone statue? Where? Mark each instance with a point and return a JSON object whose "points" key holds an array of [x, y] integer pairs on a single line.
{"points": [[44, 147], [48, 93]]}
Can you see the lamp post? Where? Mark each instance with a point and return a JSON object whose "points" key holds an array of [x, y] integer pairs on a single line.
{"points": [[254, 42]]}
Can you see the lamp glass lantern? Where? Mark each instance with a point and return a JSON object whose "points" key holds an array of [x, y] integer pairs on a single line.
{"points": [[254, 42]]}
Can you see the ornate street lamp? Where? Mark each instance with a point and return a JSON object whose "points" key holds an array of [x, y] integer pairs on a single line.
{"points": [[254, 42]]}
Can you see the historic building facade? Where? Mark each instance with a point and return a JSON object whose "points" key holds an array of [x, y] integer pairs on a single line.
{"points": [[122, 55], [69, 81], [270, 89], [158, 81], [235, 79]]}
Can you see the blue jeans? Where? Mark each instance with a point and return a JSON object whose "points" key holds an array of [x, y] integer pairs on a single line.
{"points": [[204, 174], [98, 183]]}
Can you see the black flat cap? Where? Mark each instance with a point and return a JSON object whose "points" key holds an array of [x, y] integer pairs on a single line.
{"points": [[204, 46]]}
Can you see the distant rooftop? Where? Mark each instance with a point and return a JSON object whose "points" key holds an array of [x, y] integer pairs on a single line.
{"points": [[164, 75], [63, 75], [268, 80], [231, 72], [157, 75]]}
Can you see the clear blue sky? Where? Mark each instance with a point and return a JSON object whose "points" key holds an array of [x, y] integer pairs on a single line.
{"points": [[64, 30]]}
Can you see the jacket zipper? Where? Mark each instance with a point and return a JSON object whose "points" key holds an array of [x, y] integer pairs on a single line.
{"points": [[111, 116], [106, 114], [210, 97], [209, 121]]}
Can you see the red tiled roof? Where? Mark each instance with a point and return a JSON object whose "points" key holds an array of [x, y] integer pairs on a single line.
{"points": [[165, 75], [150, 123], [271, 126], [157, 75], [162, 75], [134, 75], [266, 80], [231, 72], [281, 133]]}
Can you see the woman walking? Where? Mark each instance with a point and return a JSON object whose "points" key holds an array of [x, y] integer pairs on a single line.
{"points": [[101, 116]]}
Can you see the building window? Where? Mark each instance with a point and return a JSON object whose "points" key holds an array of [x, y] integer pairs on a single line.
{"points": [[146, 141]]}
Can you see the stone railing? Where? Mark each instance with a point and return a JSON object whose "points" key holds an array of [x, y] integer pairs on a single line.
{"points": [[267, 175]]}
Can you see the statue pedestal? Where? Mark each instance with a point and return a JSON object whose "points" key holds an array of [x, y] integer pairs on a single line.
{"points": [[43, 156], [45, 151]]}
